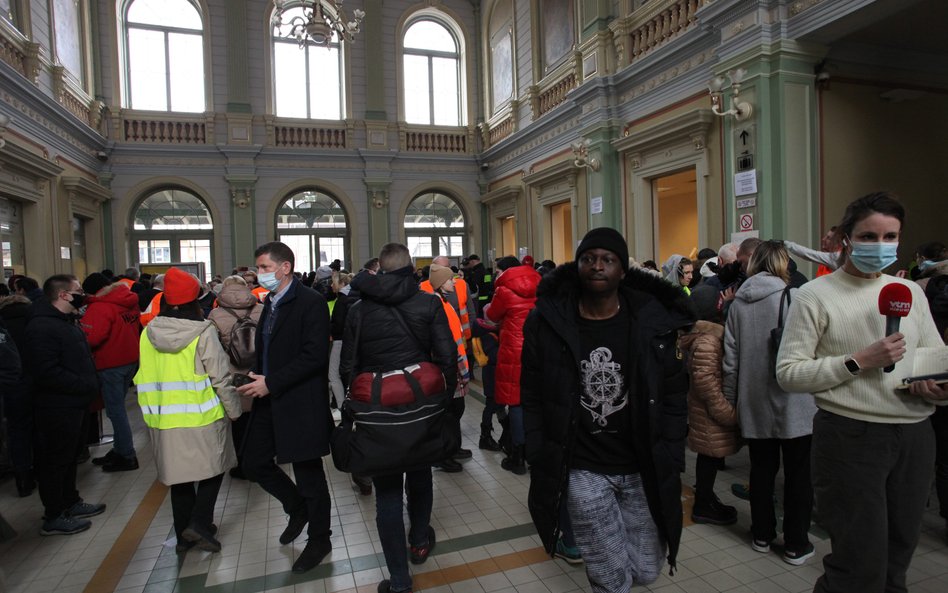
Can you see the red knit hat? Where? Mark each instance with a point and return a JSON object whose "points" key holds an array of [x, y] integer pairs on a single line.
{"points": [[180, 287]]}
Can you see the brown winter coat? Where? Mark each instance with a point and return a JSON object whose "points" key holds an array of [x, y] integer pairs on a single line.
{"points": [[239, 299], [713, 428]]}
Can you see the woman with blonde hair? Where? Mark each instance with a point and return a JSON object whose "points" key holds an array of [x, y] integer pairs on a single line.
{"points": [[775, 424]]}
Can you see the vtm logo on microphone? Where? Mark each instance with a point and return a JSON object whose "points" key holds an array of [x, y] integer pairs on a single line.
{"points": [[900, 308]]}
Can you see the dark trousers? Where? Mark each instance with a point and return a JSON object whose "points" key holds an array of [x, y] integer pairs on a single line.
{"points": [[18, 409], [239, 431], [388, 519], [310, 488], [871, 482], [940, 425], [765, 457], [706, 472], [456, 410], [193, 503], [60, 434]]}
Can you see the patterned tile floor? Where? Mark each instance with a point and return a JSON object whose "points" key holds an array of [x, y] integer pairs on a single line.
{"points": [[486, 543]]}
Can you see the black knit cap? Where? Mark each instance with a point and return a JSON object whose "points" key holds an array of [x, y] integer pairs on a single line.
{"points": [[95, 282], [605, 238]]}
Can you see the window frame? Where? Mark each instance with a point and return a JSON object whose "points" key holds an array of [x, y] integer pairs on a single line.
{"points": [[173, 236], [126, 66], [436, 233], [315, 234]]}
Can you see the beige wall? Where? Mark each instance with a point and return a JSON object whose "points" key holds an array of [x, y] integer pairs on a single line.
{"points": [[870, 144]]}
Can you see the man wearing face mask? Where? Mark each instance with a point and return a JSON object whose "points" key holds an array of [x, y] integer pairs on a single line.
{"points": [[290, 419], [64, 382]]}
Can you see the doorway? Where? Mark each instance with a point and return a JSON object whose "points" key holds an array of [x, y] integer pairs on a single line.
{"points": [[561, 232], [508, 236], [675, 199]]}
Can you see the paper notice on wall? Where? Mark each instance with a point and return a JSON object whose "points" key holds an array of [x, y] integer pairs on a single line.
{"points": [[65, 253], [595, 205], [738, 237], [745, 183]]}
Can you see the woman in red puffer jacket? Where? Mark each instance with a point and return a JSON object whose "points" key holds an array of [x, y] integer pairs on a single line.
{"points": [[515, 295]]}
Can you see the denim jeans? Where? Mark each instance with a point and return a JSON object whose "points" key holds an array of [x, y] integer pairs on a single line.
{"points": [[115, 383], [517, 435], [388, 519]]}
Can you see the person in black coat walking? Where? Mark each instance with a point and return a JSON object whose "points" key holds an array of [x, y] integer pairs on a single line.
{"points": [[290, 418], [17, 405], [604, 392], [64, 383], [375, 340]]}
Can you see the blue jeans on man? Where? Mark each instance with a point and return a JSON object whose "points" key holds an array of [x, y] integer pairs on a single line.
{"points": [[115, 383]]}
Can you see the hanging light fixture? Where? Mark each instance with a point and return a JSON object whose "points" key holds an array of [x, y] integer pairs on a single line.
{"points": [[320, 20]]}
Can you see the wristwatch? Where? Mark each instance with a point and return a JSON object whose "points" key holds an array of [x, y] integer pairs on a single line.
{"points": [[852, 366]]}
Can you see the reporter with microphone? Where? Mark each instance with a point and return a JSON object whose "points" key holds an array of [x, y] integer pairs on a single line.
{"points": [[873, 448]]}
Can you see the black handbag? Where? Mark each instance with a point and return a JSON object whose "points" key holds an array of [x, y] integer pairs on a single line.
{"points": [[776, 334], [386, 431]]}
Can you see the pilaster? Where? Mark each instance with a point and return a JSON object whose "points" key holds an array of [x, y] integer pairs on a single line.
{"points": [[378, 193]]}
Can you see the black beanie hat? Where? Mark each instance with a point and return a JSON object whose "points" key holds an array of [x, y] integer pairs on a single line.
{"points": [[605, 238], [94, 282]]}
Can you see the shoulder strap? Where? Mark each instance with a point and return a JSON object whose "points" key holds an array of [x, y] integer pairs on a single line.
{"points": [[234, 313], [784, 297], [401, 321]]}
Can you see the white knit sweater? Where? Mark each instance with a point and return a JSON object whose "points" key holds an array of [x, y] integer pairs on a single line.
{"points": [[835, 316]]}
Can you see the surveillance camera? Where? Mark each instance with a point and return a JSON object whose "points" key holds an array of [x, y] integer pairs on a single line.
{"points": [[823, 76], [485, 166], [102, 155]]}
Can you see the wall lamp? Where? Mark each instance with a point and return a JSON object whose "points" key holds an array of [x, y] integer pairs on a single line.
{"points": [[741, 110], [581, 155]]}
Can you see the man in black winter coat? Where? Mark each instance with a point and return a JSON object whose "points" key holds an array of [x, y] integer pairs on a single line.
{"points": [[17, 405], [604, 390], [375, 340], [64, 382], [290, 418]]}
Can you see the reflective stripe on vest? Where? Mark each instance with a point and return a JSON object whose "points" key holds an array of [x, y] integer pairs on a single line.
{"points": [[460, 288], [170, 393], [455, 324], [483, 293]]}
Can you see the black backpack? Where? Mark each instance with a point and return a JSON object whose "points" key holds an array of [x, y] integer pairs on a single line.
{"points": [[242, 346]]}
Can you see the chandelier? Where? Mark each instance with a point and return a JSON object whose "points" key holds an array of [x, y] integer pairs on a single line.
{"points": [[317, 24]]}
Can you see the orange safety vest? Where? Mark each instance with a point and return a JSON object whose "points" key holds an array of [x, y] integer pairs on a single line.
{"points": [[463, 368], [260, 292], [150, 312], [460, 289]]}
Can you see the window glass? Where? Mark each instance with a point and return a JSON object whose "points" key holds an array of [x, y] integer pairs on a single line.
{"points": [[11, 238], [434, 221], [315, 227], [173, 225], [148, 77], [186, 53], [557, 34], [431, 75], [417, 91], [430, 35], [178, 14], [307, 81], [69, 43]]}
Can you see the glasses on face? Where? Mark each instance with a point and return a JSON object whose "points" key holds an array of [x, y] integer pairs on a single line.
{"points": [[607, 260]]}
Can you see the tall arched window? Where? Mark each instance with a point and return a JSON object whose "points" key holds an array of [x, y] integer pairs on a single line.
{"points": [[314, 225], [307, 81], [173, 225], [432, 74], [434, 225], [164, 60]]}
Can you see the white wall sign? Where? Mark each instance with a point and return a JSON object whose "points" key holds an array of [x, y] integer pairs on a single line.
{"points": [[595, 205], [522, 253], [747, 203], [746, 222], [64, 253], [739, 237], [745, 183]]}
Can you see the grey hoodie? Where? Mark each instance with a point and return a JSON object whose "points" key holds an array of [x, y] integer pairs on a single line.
{"points": [[765, 411]]}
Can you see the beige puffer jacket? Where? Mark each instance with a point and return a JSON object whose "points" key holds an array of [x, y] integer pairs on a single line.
{"points": [[713, 428], [194, 454]]}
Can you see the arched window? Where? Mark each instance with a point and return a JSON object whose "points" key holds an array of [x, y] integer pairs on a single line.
{"points": [[173, 225], [307, 80], [164, 60], [501, 54], [432, 74], [314, 225], [434, 225]]}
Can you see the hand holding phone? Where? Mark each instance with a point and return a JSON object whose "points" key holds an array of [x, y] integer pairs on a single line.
{"points": [[240, 379]]}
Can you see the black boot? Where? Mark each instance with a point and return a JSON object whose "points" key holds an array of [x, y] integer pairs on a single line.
{"points": [[710, 510], [515, 462], [487, 442], [504, 440], [24, 483]]}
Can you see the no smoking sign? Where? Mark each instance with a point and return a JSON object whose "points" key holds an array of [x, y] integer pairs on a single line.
{"points": [[746, 222]]}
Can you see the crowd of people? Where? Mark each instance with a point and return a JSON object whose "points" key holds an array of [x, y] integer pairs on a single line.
{"points": [[598, 371]]}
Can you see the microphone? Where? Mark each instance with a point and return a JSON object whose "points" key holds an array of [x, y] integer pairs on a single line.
{"points": [[895, 302]]}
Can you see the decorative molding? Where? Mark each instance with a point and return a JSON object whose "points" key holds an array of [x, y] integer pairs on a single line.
{"points": [[802, 6], [82, 188], [502, 194], [668, 75], [38, 118], [299, 133], [693, 125], [564, 170]]}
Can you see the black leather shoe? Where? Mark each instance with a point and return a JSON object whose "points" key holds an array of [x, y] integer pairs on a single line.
{"points": [[449, 466], [107, 458], [487, 443], [463, 454], [312, 555], [83, 455], [298, 520], [201, 538], [121, 465], [237, 473]]}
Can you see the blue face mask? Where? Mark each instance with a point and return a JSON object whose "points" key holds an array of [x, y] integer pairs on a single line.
{"points": [[927, 263], [872, 258], [268, 280]]}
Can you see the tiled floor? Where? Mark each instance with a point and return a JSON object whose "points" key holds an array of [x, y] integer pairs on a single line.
{"points": [[486, 543]]}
